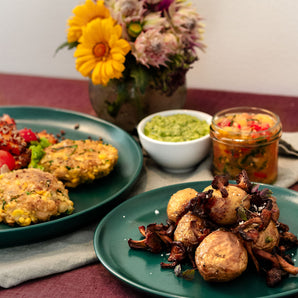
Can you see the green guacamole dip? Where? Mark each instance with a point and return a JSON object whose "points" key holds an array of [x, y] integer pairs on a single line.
{"points": [[176, 128]]}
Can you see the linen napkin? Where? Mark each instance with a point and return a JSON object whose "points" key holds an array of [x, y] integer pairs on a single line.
{"points": [[21, 263]]}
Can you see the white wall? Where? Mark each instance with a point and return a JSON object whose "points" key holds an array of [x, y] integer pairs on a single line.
{"points": [[252, 44]]}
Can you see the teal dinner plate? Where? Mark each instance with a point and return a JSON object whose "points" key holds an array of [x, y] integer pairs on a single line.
{"points": [[91, 201], [141, 269]]}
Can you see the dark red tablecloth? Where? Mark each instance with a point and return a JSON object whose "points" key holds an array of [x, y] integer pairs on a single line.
{"points": [[94, 280], [73, 95]]}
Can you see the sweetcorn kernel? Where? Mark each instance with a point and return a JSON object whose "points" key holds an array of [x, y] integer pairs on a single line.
{"points": [[40, 192], [10, 205], [24, 221], [17, 213], [91, 176]]}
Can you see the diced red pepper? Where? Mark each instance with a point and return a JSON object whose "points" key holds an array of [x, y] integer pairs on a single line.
{"points": [[260, 175], [28, 135], [265, 126], [224, 123]]}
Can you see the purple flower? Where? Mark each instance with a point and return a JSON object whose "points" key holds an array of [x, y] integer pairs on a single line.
{"points": [[164, 4], [159, 5]]}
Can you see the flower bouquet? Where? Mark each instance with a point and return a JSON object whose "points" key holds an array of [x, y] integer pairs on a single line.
{"points": [[141, 43]]}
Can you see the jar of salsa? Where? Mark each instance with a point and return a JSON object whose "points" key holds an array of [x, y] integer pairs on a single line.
{"points": [[246, 138]]}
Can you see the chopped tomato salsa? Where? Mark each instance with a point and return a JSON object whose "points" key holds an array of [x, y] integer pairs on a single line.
{"points": [[246, 140]]}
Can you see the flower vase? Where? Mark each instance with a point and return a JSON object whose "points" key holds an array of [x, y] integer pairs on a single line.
{"points": [[125, 107]]}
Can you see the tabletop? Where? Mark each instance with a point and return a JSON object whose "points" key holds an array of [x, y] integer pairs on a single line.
{"points": [[94, 280]]}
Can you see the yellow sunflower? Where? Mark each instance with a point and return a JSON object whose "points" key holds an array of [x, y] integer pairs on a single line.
{"points": [[83, 14], [101, 51]]}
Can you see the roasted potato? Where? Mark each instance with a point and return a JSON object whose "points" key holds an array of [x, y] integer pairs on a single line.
{"points": [[185, 229], [268, 238], [178, 202], [221, 257], [223, 209]]}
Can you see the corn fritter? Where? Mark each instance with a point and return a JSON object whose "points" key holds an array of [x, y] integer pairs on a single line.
{"points": [[30, 196], [79, 161]]}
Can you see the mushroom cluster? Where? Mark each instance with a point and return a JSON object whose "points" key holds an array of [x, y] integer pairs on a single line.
{"points": [[219, 230]]}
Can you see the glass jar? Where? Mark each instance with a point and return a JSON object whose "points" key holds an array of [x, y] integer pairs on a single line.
{"points": [[246, 138]]}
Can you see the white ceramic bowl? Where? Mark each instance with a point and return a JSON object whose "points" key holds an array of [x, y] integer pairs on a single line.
{"points": [[176, 157]]}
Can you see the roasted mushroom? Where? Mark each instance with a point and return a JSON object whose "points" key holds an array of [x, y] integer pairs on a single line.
{"points": [[157, 237], [243, 181]]}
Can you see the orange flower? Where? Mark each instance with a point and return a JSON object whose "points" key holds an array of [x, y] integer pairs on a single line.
{"points": [[101, 51], [83, 14]]}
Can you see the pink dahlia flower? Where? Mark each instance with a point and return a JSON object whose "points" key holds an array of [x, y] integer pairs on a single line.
{"points": [[153, 48]]}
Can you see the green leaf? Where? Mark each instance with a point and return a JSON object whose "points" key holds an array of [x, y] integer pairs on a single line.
{"points": [[44, 142], [241, 212], [69, 45], [189, 274], [37, 152]]}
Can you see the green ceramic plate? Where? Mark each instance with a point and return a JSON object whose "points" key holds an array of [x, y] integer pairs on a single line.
{"points": [[91, 201], [142, 269]]}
